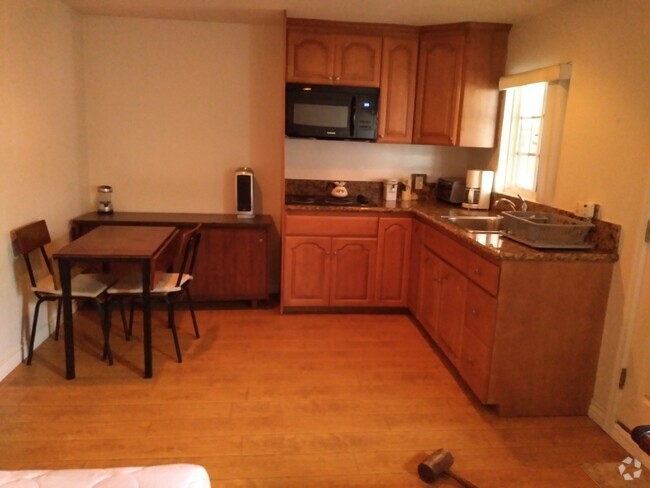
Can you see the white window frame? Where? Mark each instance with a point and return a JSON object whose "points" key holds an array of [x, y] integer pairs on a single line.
{"points": [[557, 79]]}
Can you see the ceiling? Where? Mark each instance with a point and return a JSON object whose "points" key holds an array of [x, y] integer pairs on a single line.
{"points": [[410, 12]]}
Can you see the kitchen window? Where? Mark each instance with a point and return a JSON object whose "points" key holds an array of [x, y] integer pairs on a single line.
{"points": [[531, 131]]}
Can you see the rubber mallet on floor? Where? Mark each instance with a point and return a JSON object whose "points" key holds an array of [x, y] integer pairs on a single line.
{"points": [[439, 464]]}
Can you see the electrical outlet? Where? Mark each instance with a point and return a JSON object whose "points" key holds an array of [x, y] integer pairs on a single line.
{"points": [[586, 210]]}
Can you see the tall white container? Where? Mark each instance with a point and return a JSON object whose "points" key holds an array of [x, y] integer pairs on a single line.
{"points": [[390, 189]]}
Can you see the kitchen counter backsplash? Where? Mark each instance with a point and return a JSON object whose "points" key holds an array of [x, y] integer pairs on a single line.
{"points": [[605, 236], [374, 190]]}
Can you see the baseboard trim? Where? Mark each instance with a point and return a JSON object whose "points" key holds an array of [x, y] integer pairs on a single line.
{"points": [[598, 414]]}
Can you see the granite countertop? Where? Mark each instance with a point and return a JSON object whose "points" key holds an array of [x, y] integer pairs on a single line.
{"points": [[494, 247]]}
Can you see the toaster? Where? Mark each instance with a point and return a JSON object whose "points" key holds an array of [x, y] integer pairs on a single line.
{"points": [[451, 190]]}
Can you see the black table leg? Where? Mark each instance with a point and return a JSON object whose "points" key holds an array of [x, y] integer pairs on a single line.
{"points": [[146, 313], [68, 334]]}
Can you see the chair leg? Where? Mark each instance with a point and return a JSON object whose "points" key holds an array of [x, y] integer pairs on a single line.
{"points": [[30, 353], [105, 321], [172, 324], [127, 330], [131, 308], [191, 306], [59, 306]]}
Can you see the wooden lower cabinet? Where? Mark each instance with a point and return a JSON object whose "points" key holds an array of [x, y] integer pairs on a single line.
{"points": [[235, 258], [326, 271], [346, 260], [353, 271], [393, 263], [426, 310], [414, 265], [524, 335], [451, 311]]}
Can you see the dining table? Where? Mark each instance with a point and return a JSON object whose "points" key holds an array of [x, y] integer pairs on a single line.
{"points": [[146, 247]]}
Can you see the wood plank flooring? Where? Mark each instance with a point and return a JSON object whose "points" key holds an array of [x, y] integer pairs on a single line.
{"points": [[270, 400]]}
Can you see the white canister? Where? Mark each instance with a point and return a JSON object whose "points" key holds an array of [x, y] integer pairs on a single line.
{"points": [[390, 189]]}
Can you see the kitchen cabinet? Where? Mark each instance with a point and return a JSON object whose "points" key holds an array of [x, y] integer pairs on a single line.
{"points": [[457, 97], [524, 335], [329, 271], [329, 261], [397, 88], [450, 317], [233, 258], [415, 265], [345, 260], [393, 263], [428, 291], [332, 56]]}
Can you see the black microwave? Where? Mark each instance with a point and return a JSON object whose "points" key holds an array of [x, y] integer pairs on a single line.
{"points": [[331, 112]]}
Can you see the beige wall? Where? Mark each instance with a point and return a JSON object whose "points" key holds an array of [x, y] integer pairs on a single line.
{"points": [[174, 107], [41, 144], [362, 161], [604, 155]]}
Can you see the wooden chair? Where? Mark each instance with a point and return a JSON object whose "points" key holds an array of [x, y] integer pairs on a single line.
{"points": [[85, 286], [167, 286]]}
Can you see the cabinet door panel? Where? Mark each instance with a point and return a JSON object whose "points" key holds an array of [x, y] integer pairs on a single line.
{"points": [[429, 291], [480, 314], [393, 262], [397, 95], [438, 96], [307, 271], [414, 272], [353, 271], [310, 57], [474, 365], [451, 312], [231, 264], [357, 60]]}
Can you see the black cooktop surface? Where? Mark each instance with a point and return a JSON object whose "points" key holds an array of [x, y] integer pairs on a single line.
{"points": [[326, 200]]}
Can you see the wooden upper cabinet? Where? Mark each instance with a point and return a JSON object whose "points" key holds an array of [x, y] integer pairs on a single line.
{"points": [[457, 98], [357, 60], [439, 80], [310, 57], [330, 58], [397, 94]]}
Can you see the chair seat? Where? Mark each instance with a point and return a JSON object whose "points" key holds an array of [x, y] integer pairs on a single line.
{"points": [[163, 283], [84, 285]]}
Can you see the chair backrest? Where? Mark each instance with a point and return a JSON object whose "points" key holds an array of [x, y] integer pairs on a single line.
{"points": [[29, 238], [189, 246]]}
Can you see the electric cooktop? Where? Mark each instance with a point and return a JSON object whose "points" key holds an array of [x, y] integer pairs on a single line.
{"points": [[326, 200]]}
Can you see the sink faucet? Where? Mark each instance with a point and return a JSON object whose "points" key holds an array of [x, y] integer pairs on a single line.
{"points": [[523, 206]]}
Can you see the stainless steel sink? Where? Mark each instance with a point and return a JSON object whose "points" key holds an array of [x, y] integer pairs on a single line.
{"points": [[491, 224]]}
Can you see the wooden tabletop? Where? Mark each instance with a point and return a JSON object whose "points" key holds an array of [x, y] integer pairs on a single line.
{"points": [[117, 241]]}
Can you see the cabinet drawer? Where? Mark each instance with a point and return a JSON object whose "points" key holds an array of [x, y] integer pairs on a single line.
{"points": [[480, 314], [474, 365], [477, 269], [311, 225]]}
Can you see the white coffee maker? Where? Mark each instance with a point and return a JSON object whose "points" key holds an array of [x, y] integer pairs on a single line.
{"points": [[478, 188]]}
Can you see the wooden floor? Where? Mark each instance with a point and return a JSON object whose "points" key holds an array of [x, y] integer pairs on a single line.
{"points": [[265, 400]]}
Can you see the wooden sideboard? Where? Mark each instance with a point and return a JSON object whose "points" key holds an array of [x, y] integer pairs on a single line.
{"points": [[233, 258]]}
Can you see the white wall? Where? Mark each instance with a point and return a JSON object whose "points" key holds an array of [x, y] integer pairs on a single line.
{"points": [[604, 155], [174, 107], [362, 161], [41, 145]]}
